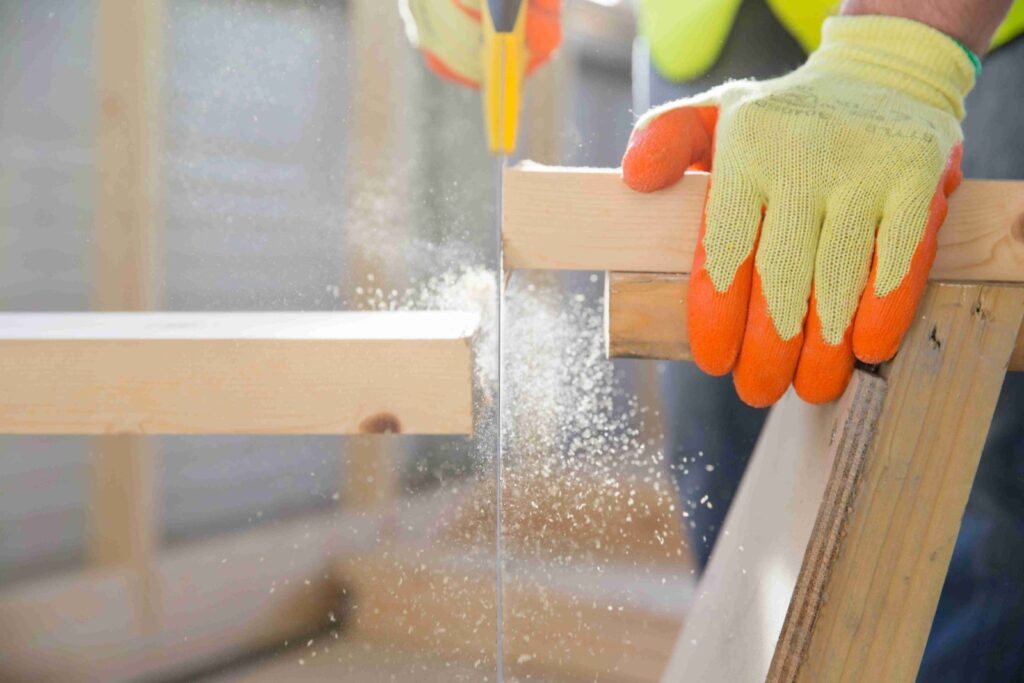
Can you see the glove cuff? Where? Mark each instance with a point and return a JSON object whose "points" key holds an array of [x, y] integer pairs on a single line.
{"points": [[900, 53]]}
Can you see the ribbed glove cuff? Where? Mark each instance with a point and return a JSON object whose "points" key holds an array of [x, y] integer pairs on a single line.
{"points": [[904, 54]]}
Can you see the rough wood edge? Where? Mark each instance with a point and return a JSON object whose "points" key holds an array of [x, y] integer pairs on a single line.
{"points": [[829, 527]]}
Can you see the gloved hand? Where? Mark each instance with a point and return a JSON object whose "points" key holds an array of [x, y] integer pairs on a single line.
{"points": [[828, 186], [448, 34]]}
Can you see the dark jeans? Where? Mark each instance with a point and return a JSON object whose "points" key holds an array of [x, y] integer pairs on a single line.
{"points": [[978, 633]]}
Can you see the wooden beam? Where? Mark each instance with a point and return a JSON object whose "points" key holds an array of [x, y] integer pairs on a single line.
{"points": [[851, 597], [129, 56], [378, 145], [122, 526], [645, 317], [545, 108], [871, 602], [234, 373], [587, 219], [129, 42], [805, 454]]}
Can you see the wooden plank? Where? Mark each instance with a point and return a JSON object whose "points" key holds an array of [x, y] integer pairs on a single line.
{"points": [[232, 373], [806, 454], [122, 526], [877, 596], [129, 39], [852, 597], [587, 219], [645, 317], [377, 164], [129, 50], [545, 108], [1017, 358]]}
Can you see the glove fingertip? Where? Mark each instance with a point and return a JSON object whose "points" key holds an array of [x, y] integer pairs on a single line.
{"points": [[767, 363], [658, 154], [954, 174], [824, 369], [880, 326], [882, 322], [716, 320]]}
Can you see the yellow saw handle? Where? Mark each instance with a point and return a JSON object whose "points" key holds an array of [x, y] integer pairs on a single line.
{"points": [[504, 70]]}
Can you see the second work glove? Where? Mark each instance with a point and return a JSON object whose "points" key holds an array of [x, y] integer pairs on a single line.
{"points": [[828, 187], [449, 34]]}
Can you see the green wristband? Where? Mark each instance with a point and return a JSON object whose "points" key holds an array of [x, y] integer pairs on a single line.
{"points": [[975, 60]]}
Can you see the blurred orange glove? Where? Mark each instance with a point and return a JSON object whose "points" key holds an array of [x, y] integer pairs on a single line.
{"points": [[828, 186], [448, 34]]}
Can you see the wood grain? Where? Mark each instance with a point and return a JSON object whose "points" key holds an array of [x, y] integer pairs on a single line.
{"points": [[806, 460], [885, 483], [587, 219], [878, 595], [646, 318], [233, 373]]}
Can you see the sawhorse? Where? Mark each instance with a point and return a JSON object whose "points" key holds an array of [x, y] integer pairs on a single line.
{"points": [[834, 552]]}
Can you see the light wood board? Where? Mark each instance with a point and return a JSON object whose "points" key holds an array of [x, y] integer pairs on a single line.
{"points": [[376, 163], [587, 219], [645, 317], [129, 48], [877, 595], [851, 596], [223, 373], [804, 454]]}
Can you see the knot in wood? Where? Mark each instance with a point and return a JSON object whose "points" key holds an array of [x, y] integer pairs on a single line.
{"points": [[1017, 229], [381, 423]]}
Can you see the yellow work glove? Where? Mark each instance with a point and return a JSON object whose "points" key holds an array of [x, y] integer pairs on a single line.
{"points": [[828, 187], [449, 34]]}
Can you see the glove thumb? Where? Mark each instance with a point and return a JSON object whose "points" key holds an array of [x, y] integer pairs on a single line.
{"points": [[667, 141]]}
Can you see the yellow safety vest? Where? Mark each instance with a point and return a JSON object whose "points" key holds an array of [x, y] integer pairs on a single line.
{"points": [[686, 36]]}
